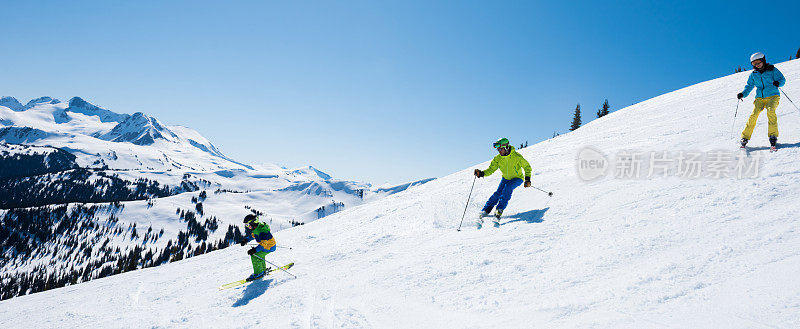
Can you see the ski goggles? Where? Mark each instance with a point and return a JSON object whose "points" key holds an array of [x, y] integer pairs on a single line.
{"points": [[499, 145]]}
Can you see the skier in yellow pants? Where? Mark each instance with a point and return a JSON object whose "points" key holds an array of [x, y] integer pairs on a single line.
{"points": [[766, 79]]}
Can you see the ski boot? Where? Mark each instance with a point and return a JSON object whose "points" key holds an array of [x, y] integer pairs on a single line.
{"points": [[773, 143], [496, 220], [479, 221], [256, 276], [744, 143]]}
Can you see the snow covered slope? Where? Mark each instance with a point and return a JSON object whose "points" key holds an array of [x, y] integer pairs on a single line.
{"points": [[658, 252]]}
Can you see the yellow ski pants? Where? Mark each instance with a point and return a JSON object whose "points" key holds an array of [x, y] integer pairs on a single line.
{"points": [[770, 103]]}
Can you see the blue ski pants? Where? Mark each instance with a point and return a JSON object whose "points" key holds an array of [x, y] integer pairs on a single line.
{"points": [[502, 195]]}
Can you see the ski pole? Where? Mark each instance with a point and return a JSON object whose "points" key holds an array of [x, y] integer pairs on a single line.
{"points": [[790, 100], [255, 244], [548, 193], [730, 134], [270, 263], [465, 207]]}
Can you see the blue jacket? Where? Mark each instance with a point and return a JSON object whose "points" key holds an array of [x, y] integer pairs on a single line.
{"points": [[763, 82]]}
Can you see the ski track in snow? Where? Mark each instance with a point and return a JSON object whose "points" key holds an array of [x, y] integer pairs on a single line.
{"points": [[665, 252]]}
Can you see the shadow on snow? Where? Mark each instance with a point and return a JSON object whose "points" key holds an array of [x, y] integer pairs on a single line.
{"points": [[780, 146], [531, 216], [253, 291]]}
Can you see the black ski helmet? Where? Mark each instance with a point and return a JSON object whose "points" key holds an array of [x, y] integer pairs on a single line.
{"points": [[250, 219]]}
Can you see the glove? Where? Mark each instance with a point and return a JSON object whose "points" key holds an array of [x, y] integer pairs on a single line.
{"points": [[252, 251], [527, 182], [243, 242], [775, 83], [478, 173], [739, 95]]}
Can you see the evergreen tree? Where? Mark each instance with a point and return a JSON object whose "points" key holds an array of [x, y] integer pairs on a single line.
{"points": [[576, 120], [798, 53], [603, 111]]}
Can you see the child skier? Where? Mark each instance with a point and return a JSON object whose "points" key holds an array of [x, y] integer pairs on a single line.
{"points": [[266, 244], [510, 164], [766, 78]]}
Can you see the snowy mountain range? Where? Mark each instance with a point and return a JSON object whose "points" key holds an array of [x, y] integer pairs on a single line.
{"points": [[96, 193], [99, 136]]}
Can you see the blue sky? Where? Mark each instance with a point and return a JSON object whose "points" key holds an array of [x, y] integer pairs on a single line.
{"points": [[380, 91]]}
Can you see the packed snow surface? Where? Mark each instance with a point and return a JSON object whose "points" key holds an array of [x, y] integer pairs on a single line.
{"points": [[657, 252]]}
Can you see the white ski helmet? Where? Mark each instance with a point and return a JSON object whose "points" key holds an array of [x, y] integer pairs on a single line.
{"points": [[756, 56]]}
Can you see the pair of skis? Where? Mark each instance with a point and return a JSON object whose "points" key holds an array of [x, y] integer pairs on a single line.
{"points": [[772, 149], [245, 281]]}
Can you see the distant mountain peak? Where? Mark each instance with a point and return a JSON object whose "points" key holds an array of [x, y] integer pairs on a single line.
{"points": [[311, 171], [78, 105], [139, 129], [12, 103], [41, 100], [320, 173], [78, 102]]}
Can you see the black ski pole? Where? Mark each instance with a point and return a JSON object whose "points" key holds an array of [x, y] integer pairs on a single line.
{"points": [[270, 263], [548, 193], [465, 207], [790, 100]]}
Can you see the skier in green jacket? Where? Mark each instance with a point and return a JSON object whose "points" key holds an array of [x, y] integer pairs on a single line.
{"points": [[266, 244], [511, 165]]}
